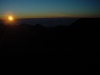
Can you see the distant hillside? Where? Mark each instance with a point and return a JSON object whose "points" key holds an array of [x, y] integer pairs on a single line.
{"points": [[48, 22], [25, 39], [87, 22]]}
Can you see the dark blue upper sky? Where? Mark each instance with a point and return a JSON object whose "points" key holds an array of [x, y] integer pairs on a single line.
{"points": [[50, 8]]}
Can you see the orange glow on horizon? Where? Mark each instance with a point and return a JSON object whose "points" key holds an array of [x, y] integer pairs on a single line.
{"points": [[10, 20]]}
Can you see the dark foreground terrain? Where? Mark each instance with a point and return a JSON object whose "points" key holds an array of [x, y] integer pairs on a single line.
{"points": [[78, 44]]}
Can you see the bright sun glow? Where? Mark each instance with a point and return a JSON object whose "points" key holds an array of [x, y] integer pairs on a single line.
{"points": [[10, 18]]}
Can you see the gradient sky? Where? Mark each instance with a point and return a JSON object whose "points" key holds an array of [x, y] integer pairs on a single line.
{"points": [[50, 8]]}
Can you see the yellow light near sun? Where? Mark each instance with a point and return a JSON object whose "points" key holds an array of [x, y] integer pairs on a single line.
{"points": [[10, 18]]}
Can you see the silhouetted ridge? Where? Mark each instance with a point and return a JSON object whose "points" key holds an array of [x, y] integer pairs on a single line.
{"points": [[87, 23], [24, 38], [38, 26], [2, 29]]}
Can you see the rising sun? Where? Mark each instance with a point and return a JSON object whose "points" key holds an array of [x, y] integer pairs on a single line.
{"points": [[10, 18]]}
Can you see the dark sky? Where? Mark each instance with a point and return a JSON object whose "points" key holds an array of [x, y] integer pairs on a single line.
{"points": [[50, 8]]}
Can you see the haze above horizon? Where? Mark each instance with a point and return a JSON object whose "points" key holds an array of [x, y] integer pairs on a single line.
{"points": [[50, 8]]}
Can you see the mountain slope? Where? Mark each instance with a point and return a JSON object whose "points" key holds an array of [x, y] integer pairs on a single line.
{"points": [[27, 38], [87, 23]]}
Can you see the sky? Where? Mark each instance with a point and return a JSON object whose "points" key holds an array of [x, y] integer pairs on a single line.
{"points": [[50, 8]]}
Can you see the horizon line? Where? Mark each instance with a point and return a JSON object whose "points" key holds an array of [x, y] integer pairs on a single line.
{"points": [[51, 17]]}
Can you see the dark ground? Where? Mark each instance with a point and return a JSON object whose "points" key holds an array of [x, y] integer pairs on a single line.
{"points": [[78, 45]]}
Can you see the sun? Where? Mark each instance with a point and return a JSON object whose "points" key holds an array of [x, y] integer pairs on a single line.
{"points": [[10, 18]]}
